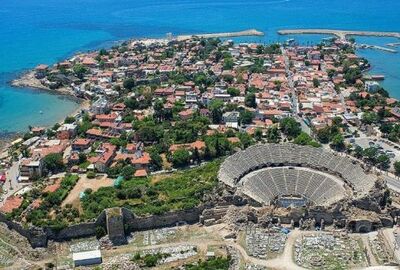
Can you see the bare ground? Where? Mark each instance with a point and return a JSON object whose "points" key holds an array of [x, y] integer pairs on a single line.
{"points": [[83, 184]]}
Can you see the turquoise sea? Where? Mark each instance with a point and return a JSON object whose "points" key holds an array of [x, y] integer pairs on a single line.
{"points": [[45, 31]]}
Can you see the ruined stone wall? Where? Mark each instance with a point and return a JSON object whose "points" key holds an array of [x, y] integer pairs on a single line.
{"points": [[115, 226], [77, 231], [39, 237], [134, 223], [36, 237]]}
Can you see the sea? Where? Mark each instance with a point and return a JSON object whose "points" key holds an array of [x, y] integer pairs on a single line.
{"points": [[46, 31]]}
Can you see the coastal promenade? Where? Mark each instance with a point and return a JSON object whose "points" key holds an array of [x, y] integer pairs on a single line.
{"points": [[342, 34], [250, 32]]}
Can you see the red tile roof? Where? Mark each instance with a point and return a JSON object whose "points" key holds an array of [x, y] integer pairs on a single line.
{"points": [[54, 187], [11, 203], [141, 173]]}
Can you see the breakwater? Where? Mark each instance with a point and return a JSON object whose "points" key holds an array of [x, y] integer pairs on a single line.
{"points": [[375, 47], [342, 34], [250, 32]]}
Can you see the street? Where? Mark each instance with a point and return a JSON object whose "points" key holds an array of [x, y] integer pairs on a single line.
{"points": [[11, 185]]}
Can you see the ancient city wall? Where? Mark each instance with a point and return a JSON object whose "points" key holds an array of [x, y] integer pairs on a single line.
{"points": [[38, 237]]}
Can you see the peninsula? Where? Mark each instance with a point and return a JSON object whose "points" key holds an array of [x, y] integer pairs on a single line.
{"points": [[203, 152]]}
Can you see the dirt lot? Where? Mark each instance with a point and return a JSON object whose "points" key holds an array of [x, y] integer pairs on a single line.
{"points": [[83, 184]]}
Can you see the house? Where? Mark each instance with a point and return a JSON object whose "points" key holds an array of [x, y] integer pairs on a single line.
{"points": [[81, 144], [30, 168], [66, 131], [104, 156], [140, 173], [11, 203], [162, 92], [231, 119], [3, 177], [200, 145], [205, 112], [37, 131], [100, 106], [41, 71], [372, 86], [395, 111], [141, 160], [106, 117], [185, 115]]}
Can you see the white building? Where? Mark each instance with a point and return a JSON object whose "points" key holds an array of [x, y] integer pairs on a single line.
{"points": [[87, 258], [372, 86]]}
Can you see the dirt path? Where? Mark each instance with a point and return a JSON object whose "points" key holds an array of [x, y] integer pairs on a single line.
{"points": [[365, 240], [22, 262]]}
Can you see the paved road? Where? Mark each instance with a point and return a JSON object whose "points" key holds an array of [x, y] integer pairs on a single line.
{"points": [[295, 103], [11, 185], [393, 183]]}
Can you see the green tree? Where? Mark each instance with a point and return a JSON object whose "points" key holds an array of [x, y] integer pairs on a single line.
{"points": [[128, 171], [79, 70], [316, 82], [69, 120], [369, 118], [228, 63], [250, 100], [245, 139], [234, 92], [290, 127], [181, 158], [246, 117], [358, 151], [129, 83], [323, 135], [216, 111], [131, 103], [54, 162], [371, 154], [383, 161], [258, 134], [337, 142], [156, 161], [273, 135], [397, 167]]}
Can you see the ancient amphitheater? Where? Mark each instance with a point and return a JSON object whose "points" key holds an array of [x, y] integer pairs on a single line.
{"points": [[289, 174]]}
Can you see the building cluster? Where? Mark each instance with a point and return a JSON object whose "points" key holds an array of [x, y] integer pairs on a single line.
{"points": [[125, 84]]}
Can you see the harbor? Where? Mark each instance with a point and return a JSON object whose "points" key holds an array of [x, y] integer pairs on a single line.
{"points": [[395, 44], [341, 34], [375, 47]]}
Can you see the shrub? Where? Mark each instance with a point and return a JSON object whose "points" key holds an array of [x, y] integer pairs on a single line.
{"points": [[91, 175]]}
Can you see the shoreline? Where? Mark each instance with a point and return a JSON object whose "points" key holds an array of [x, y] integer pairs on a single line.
{"points": [[27, 79]]}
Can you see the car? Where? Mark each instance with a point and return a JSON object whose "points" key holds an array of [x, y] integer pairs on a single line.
{"points": [[371, 143]]}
